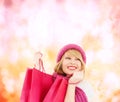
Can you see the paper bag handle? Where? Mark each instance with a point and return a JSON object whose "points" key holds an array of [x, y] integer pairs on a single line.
{"points": [[38, 61]]}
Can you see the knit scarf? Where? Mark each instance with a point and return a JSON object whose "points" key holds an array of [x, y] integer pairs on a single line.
{"points": [[80, 95]]}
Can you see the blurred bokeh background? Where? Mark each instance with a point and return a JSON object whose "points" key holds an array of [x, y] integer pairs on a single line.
{"points": [[28, 26]]}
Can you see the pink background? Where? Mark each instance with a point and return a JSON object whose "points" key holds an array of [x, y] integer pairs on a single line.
{"points": [[28, 26]]}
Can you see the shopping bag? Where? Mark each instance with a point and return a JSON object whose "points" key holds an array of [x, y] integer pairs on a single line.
{"points": [[26, 86], [57, 91], [36, 85]]}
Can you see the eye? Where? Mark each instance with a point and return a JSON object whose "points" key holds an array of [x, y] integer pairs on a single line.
{"points": [[67, 58], [78, 59]]}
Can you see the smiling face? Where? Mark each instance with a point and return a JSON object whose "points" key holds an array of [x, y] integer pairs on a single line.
{"points": [[71, 62]]}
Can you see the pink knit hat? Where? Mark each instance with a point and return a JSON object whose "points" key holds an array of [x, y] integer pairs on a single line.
{"points": [[68, 47]]}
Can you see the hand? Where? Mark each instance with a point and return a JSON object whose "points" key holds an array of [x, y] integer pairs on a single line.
{"points": [[76, 78], [38, 61]]}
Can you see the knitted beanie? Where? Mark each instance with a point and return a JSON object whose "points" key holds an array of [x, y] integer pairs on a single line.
{"points": [[71, 46]]}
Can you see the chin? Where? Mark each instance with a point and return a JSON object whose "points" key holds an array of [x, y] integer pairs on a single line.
{"points": [[69, 74]]}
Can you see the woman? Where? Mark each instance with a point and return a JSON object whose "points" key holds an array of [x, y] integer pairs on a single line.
{"points": [[71, 62]]}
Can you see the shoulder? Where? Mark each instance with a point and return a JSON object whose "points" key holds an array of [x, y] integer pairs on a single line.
{"points": [[88, 89]]}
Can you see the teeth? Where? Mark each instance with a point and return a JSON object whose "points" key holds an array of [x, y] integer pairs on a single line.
{"points": [[71, 68]]}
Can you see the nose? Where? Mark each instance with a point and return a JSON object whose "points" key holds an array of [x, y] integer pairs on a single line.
{"points": [[72, 61]]}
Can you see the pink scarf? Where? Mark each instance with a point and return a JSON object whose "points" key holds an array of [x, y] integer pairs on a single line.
{"points": [[80, 95]]}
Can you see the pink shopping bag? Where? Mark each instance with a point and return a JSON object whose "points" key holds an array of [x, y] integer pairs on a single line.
{"points": [[41, 87], [57, 91], [36, 85]]}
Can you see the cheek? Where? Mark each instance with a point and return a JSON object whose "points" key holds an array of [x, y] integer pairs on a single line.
{"points": [[80, 65], [63, 65]]}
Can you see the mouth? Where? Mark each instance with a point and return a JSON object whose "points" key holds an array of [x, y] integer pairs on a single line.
{"points": [[72, 67]]}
